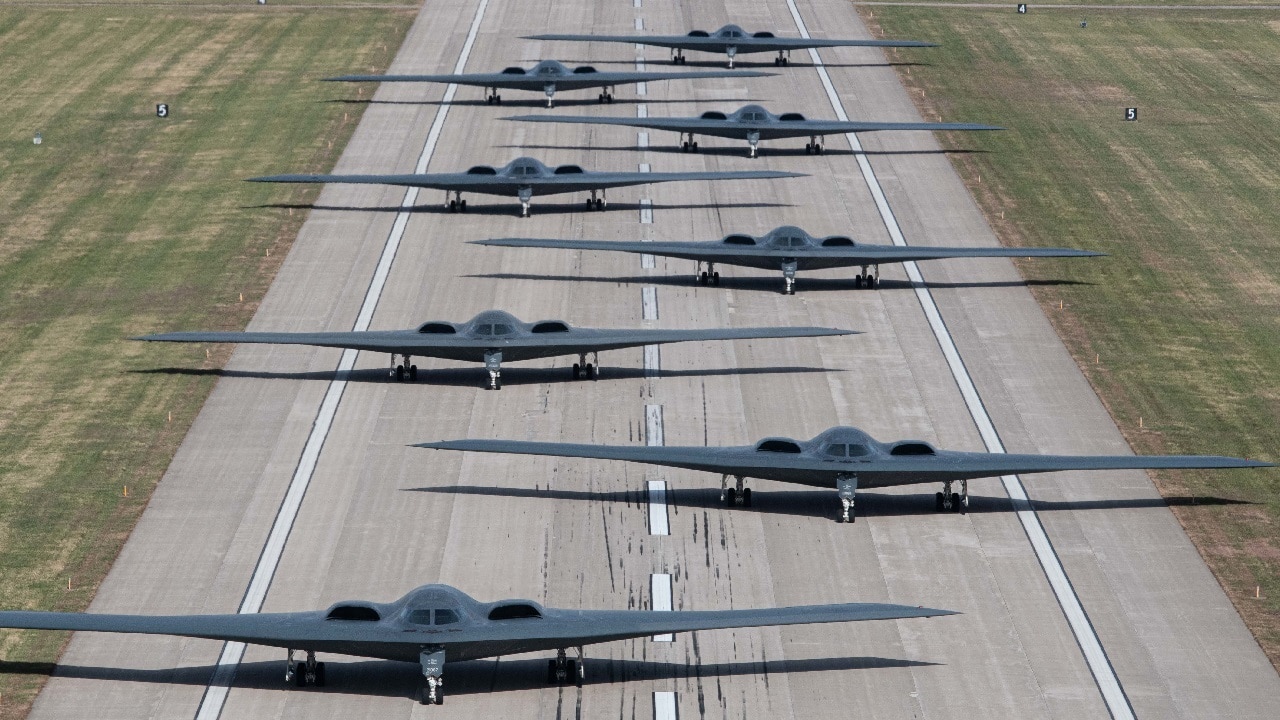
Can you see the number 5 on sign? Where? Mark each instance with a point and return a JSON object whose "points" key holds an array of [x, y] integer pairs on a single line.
{"points": [[1131, 114], [162, 110]]}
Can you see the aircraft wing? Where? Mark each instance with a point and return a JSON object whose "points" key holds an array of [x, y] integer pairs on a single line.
{"points": [[600, 180], [683, 125], [718, 252], [592, 626], [802, 128], [583, 340], [437, 181], [380, 341], [490, 80], [275, 629], [731, 461], [715, 44], [975, 465]]}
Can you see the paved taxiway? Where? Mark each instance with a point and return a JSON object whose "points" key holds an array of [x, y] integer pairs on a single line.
{"points": [[379, 518]]}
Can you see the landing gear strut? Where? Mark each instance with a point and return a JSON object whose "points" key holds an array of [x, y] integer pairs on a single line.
{"points": [[607, 95], [689, 145], [492, 97], [400, 371], [734, 496], [526, 196], [947, 501], [866, 279], [813, 147], [493, 363], [677, 58], [304, 673], [562, 670], [582, 367], [753, 139], [598, 199], [432, 660], [784, 58], [847, 488], [789, 277], [456, 204], [708, 276]]}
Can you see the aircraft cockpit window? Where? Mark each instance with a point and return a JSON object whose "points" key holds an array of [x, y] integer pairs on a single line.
{"points": [[837, 450], [502, 329], [420, 617], [446, 617], [859, 450], [486, 329], [548, 70]]}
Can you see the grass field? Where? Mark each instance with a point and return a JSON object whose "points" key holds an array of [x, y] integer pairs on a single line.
{"points": [[120, 221], [1179, 330]]}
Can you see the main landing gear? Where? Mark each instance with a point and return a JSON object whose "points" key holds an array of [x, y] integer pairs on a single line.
{"points": [[400, 371], [582, 368], [866, 279], [432, 660], [753, 139], [947, 501], [493, 98], [526, 196], [493, 363], [737, 496], [606, 96], [456, 203], [708, 276], [678, 58], [784, 58], [813, 147], [689, 145], [597, 203], [304, 673], [562, 670]]}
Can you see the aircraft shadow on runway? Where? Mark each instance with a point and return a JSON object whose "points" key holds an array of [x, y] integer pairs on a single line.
{"points": [[740, 151], [477, 677], [773, 283], [511, 208], [476, 377], [821, 503]]}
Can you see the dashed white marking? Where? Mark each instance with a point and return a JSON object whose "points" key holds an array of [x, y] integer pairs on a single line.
{"points": [[652, 360], [642, 110], [658, 508], [639, 22], [1087, 638], [644, 167], [642, 88], [215, 696], [664, 702], [646, 218], [642, 140], [637, 3], [649, 302], [653, 426], [660, 592]]}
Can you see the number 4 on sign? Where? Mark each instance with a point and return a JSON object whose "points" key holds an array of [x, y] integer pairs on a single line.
{"points": [[1022, 8], [1131, 114]]}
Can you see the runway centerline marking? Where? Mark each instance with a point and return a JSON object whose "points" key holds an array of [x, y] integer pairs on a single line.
{"points": [[660, 592], [664, 702], [215, 696], [1095, 656], [649, 302]]}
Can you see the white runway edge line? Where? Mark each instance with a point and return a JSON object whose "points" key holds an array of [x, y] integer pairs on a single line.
{"points": [[1086, 636], [215, 695], [664, 703], [660, 597]]}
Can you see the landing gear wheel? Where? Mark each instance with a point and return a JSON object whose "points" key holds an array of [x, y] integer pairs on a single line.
{"points": [[857, 281], [685, 146], [572, 672], [694, 146], [413, 372], [577, 371], [551, 673], [808, 148], [453, 206], [715, 279], [817, 149], [599, 203], [462, 206], [704, 277], [955, 502], [731, 497], [746, 497], [399, 373], [937, 502], [300, 674], [319, 674], [590, 370]]}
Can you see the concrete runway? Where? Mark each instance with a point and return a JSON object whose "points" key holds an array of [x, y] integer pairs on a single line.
{"points": [[379, 518]]}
